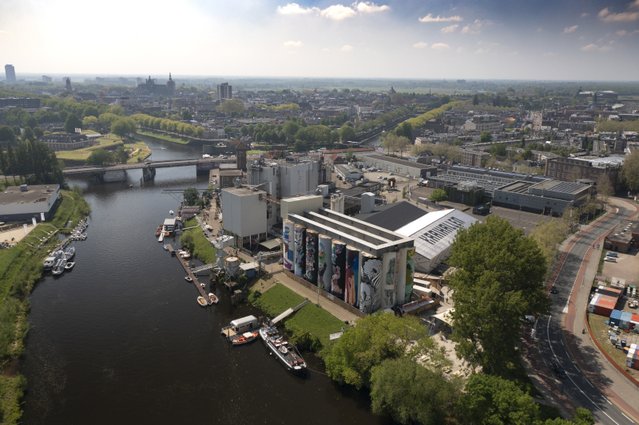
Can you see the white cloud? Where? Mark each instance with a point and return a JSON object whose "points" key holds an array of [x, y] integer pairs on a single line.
{"points": [[430, 19], [584, 15], [295, 9], [592, 47], [621, 33], [293, 43], [370, 7], [569, 30], [440, 46], [346, 48], [420, 45], [450, 28], [607, 16], [335, 12], [338, 12], [635, 4], [475, 27]]}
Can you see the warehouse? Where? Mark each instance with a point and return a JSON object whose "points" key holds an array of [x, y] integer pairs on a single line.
{"points": [[551, 197], [399, 166], [23, 203], [366, 266]]}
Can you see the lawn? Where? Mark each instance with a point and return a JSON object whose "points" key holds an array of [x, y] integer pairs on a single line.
{"points": [[203, 250], [163, 137], [138, 152], [105, 142], [310, 318]]}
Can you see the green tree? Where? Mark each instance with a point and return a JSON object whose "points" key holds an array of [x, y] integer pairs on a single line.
{"points": [[100, 157], [191, 196], [630, 171], [89, 120], [346, 133], [438, 195], [123, 126], [72, 122], [187, 241], [499, 278], [485, 137], [491, 400], [392, 142], [376, 338], [604, 186], [6, 134], [405, 129], [231, 107], [411, 393]]}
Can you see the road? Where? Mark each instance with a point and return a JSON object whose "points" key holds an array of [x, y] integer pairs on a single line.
{"points": [[83, 170], [588, 380]]}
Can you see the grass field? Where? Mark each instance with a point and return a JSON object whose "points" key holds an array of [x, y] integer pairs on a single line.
{"points": [[138, 152], [202, 248], [105, 142], [310, 318], [163, 137]]}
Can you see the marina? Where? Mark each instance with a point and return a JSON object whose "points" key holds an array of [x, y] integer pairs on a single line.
{"points": [[204, 299]]}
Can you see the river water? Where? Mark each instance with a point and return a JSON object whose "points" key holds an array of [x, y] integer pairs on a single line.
{"points": [[121, 340]]}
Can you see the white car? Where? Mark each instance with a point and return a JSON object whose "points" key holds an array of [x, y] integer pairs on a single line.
{"points": [[610, 259]]}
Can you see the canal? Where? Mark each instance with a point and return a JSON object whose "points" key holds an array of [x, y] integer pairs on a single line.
{"points": [[121, 340]]}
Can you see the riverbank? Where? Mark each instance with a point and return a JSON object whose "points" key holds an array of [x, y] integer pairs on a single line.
{"points": [[159, 137], [20, 269], [137, 151]]}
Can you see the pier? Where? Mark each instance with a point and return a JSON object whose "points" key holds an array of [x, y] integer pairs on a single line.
{"points": [[194, 281]]}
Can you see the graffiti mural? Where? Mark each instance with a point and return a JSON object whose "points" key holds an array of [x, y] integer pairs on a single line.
{"points": [[388, 298], [299, 235], [338, 260], [410, 271], [287, 230], [311, 256], [352, 277], [370, 284], [325, 269]]}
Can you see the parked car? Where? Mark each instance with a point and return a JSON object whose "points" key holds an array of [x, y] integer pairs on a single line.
{"points": [[553, 290], [612, 254], [610, 259]]}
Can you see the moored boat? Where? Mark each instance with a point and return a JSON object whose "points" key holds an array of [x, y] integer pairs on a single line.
{"points": [[285, 352], [69, 265], [158, 231], [213, 299], [69, 253], [244, 338], [201, 301], [188, 278], [58, 269]]}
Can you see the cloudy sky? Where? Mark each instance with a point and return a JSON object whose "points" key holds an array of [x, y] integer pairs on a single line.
{"points": [[473, 39]]}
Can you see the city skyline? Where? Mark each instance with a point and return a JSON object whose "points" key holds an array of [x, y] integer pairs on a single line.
{"points": [[525, 40]]}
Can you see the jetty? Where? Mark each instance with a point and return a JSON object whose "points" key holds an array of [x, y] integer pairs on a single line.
{"points": [[283, 315], [194, 281]]}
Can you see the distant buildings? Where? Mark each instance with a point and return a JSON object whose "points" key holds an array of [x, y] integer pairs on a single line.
{"points": [[150, 87], [224, 91], [65, 141], [572, 169], [10, 73], [19, 102]]}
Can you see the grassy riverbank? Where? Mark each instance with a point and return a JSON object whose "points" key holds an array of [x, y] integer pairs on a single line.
{"points": [[309, 319], [196, 242], [20, 269], [162, 137]]}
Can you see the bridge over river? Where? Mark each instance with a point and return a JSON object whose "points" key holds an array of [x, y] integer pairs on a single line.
{"points": [[105, 173]]}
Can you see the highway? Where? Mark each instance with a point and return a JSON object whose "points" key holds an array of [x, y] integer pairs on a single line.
{"points": [[587, 387]]}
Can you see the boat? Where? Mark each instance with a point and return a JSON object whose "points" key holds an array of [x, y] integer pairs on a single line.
{"points": [[244, 338], [49, 262], [158, 231], [188, 278], [184, 254], [69, 253], [69, 265], [58, 269], [202, 301], [284, 351], [213, 299]]}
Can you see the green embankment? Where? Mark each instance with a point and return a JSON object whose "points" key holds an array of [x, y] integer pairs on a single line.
{"points": [[20, 269], [201, 248], [421, 120], [162, 137], [310, 318], [109, 141]]}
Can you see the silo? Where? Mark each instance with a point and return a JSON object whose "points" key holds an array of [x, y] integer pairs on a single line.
{"points": [[339, 268], [299, 235], [351, 285], [311, 256], [287, 232], [325, 267], [388, 291], [368, 203], [370, 283], [410, 271]]}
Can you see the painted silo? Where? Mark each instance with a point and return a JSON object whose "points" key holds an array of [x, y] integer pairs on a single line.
{"points": [[299, 235], [410, 271], [388, 267], [351, 283], [311, 256], [370, 283], [287, 249], [339, 269], [324, 265]]}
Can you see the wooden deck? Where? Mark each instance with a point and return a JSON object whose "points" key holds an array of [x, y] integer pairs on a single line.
{"points": [[195, 282]]}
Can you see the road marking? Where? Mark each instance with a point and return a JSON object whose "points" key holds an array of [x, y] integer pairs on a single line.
{"points": [[569, 377], [607, 401], [626, 416]]}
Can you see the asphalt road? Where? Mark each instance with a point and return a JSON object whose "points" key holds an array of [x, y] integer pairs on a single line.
{"points": [[585, 391]]}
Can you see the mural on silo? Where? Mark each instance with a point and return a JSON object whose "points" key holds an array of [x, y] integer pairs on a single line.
{"points": [[299, 234], [339, 269], [388, 298], [370, 284], [311, 256], [286, 237], [324, 265], [410, 271], [351, 286]]}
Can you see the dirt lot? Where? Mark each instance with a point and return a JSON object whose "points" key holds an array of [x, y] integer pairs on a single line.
{"points": [[626, 267]]}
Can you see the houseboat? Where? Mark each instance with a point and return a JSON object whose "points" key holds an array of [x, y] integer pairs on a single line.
{"points": [[240, 326], [284, 351]]}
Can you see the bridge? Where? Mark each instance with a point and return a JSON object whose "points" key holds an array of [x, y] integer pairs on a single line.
{"points": [[148, 167]]}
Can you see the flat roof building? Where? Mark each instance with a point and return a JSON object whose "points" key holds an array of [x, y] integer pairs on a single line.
{"points": [[547, 197], [244, 215], [22, 203]]}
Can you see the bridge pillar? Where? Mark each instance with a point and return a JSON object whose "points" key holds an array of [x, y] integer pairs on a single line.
{"points": [[148, 174], [113, 176]]}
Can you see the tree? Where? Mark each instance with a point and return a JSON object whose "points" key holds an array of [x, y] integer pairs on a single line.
{"points": [[411, 393], [405, 129], [604, 186], [346, 133], [485, 137], [6, 134], [231, 107], [499, 278], [191, 196], [491, 400], [187, 241], [438, 195], [123, 126], [393, 142], [630, 171], [100, 157], [376, 338], [72, 122], [89, 121]]}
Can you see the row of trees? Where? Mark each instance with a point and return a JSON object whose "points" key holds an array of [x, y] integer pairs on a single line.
{"points": [[32, 161], [386, 354], [164, 124]]}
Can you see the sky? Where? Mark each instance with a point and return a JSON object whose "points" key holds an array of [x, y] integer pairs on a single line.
{"points": [[417, 39]]}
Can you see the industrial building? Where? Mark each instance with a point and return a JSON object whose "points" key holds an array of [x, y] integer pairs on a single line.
{"points": [[624, 238], [365, 266], [23, 203], [244, 215], [282, 179], [398, 166], [550, 197], [572, 169]]}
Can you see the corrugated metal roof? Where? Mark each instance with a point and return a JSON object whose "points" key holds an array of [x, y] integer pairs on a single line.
{"points": [[435, 232]]}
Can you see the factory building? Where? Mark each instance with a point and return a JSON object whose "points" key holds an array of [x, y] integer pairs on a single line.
{"points": [[365, 266], [23, 203], [283, 179], [244, 215], [548, 197]]}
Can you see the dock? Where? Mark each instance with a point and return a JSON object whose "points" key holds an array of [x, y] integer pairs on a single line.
{"points": [[194, 281], [288, 312]]}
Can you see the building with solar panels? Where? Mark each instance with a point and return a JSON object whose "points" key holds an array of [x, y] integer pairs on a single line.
{"points": [[550, 197]]}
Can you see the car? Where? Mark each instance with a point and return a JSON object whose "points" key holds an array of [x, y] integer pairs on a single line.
{"points": [[612, 254], [553, 290], [610, 259]]}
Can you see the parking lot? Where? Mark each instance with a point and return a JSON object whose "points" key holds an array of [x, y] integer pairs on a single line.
{"points": [[626, 267]]}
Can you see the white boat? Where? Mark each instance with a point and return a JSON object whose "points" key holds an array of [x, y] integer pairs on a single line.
{"points": [[69, 265], [188, 278], [58, 269], [202, 301], [285, 352], [213, 299], [69, 253]]}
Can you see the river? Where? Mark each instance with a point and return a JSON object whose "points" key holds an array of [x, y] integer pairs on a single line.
{"points": [[121, 340]]}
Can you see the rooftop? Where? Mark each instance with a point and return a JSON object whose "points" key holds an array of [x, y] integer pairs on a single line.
{"points": [[396, 215], [243, 191], [399, 161], [33, 194]]}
